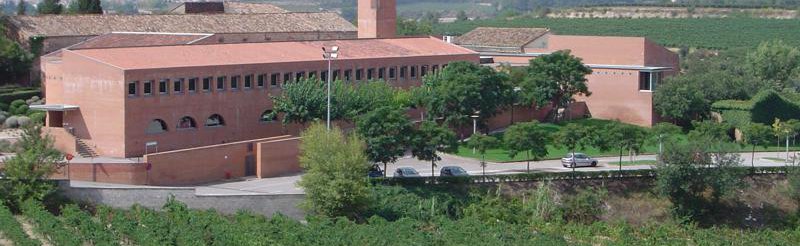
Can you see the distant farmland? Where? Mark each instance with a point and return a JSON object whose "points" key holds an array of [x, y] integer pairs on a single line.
{"points": [[716, 33]]}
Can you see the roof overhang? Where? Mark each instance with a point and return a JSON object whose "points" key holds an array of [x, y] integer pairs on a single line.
{"points": [[597, 66], [54, 107]]}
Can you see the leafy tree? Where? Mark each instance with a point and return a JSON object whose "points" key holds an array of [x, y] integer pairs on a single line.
{"points": [[555, 80], [774, 62], [785, 129], [50, 7], [574, 136], [413, 28], [482, 143], [662, 132], [624, 137], [694, 176], [26, 172], [680, 100], [387, 132], [464, 89], [429, 140], [757, 134], [15, 62], [306, 101], [335, 164], [85, 7], [530, 138], [359, 99]]}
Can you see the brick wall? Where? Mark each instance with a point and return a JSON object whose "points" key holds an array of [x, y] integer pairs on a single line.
{"points": [[278, 157]]}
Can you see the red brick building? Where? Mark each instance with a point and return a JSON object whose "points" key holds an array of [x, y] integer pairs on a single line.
{"points": [[626, 70]]}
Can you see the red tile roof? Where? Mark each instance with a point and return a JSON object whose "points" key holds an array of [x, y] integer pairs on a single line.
{"points": [[127, 39], [273, 52]]}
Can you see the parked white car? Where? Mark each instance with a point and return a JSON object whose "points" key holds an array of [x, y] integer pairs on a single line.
{"points": [[579, 160]]}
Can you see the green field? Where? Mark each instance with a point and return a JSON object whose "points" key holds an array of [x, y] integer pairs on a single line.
{"points": [[500, 154], [720, 33]]}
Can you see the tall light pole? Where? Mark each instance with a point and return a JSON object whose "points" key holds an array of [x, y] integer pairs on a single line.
{"points": [[330, 56], [475, 125]]}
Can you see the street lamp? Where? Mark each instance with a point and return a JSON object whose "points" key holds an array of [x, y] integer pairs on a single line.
{"points": [[475, 125], [331, 55]]}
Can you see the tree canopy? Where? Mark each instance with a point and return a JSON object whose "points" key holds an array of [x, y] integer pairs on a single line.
{"points": [[50, 7], [555, 79], [387, 132], [529, 138], [429, 140]]}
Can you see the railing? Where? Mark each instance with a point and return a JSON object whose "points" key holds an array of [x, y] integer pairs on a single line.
{"points": [[552, 176]]}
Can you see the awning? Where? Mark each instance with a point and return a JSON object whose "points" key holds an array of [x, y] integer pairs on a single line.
{"points": [[54, 107]]}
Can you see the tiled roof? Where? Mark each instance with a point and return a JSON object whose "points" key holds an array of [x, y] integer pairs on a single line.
{"points": [[271, 52], [500, 37], [90, 25], [129, 39], [252, 8]]}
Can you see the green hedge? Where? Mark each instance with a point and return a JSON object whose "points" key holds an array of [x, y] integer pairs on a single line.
{"points": [[549, 176], [24, 95], [763, 108], [12, 230]]}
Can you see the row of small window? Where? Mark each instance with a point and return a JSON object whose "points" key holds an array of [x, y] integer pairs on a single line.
{"points": [[187, 122], [246, 81]]}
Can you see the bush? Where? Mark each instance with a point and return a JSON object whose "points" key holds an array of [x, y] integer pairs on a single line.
{"points": [[37, 117], [586, 206], [3, 117], [48, 224], [21, 110], [11, 122], [19, 95], [11, 229], [23, 121]]}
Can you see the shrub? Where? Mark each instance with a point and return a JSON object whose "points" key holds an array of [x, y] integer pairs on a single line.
{"points": [[11, 229], [586, 206], [11, 122], [3, 106], [37, 117], [48, 224], [24, 121], [21, 110], [18, 95], [3, 117]]}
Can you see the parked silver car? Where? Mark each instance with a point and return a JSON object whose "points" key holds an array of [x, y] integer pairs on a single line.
{"points": [[579, 160], [406, 172], [450, 171]]}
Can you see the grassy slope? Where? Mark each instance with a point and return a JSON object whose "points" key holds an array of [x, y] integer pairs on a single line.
{"points": [[702, 32], [554, 152]]}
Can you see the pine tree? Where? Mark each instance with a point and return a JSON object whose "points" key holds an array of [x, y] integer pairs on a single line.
{"points": [[22, 7]]}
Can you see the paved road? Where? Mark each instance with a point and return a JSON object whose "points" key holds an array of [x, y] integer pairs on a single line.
{"points": [[288, 184]]}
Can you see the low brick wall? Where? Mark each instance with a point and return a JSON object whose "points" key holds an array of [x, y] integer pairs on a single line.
{"points": [[278, 157], [119, 173], [120, 197]]}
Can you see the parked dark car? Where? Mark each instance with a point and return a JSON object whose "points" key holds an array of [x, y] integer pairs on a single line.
{"points": [[406, 172], [375, 171], [450, 171]]}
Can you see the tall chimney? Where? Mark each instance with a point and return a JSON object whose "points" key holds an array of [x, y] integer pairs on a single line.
{"points": [[377, 18]]}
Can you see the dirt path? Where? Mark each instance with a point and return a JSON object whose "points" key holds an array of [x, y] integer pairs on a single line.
{"points": [[28, 228], [4, 241]]}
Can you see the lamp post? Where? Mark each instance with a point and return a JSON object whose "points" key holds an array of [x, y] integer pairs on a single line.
{"points": [[475, 125], [330, 56]]}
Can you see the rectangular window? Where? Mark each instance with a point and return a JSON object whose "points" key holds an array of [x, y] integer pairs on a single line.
{"points": [[323, 76], [403, 72], [248, 81], [392, 73], [348, 74], [273, 80], [413, 73], [221, 83], [423, 71], [299, 76], [148, 88], [336, 74], [382, 73], [192, 85], [444, 66], [359, 74], [235, 82], [162, 86], [287, 77], [648, 81], [207, 84], [132, 88], [177, 86], [435, 69], [370, 73], [313, 74], [261, 80]]}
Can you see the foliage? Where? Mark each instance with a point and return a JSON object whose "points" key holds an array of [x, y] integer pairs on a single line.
{"points": [[85, 7], [664, 131], [530, 138], [555, 79], [757, 134], [586, 206], [35, 160], [713, 33], [11, 229], [22, 7], [680, 100], [387, 132], [574, 136], [695, 175], [48, 224], [709, 131], [89, 230], [463, 89], [18, 94], [47, 7], [335, 180], [364, 97], [763, 108], [623, 137], [413, 28], [481, 143], [776, 63], [793, 185], [429, 140], [15, 63]]}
